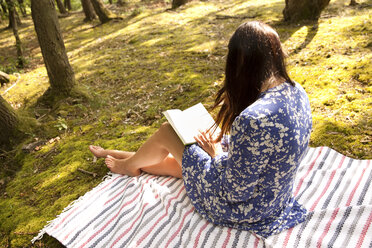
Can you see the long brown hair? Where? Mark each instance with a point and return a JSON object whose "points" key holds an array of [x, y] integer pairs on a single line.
{"points": [[255, 58]]}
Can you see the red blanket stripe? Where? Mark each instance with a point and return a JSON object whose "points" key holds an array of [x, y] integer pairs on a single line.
{"points": [[355, 188], [116, 215], [327, 186], [180, 226], [76, 208], [140, 240], [364, 231], [308, 171], [131, 226], [227, 239], [327, 227], [198, 236]]}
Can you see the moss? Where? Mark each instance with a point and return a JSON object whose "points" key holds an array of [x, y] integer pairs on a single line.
{"points": [[341, 137]]}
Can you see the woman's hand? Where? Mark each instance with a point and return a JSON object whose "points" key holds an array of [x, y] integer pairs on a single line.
{"points": [[208, 143]]}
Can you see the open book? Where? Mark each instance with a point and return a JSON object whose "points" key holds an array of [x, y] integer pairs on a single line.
{"points": [[187, 123]]}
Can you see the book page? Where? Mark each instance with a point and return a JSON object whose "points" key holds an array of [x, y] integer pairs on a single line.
{"points": [[197, 119], [176, 119], [187, 123]]}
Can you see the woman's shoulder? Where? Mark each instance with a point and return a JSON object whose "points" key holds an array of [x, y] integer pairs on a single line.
{"points": [[273, 104], [283, 89], [277, 97]]}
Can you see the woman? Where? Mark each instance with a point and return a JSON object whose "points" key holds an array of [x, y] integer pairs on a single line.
{"points": [[268, 117]]}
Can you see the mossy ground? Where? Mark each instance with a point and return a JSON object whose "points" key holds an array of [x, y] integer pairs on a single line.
{"points": [[153, 60]]}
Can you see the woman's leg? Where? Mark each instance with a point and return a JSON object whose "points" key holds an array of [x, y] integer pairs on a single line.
{"points": [[99, 152], [167, 167], [152, 156]]}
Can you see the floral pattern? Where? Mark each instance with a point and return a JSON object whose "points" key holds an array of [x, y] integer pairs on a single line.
{"points": [[249, 186]]}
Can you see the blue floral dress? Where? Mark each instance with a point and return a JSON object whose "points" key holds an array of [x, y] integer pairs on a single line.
{"points": [[249, 186]]}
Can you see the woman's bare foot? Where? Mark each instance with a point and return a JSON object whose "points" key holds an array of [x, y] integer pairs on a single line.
{"points": [[118, 166], [98, 151]]}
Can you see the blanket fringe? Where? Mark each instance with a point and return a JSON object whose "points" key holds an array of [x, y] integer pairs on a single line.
{"points": [[71, 205]]}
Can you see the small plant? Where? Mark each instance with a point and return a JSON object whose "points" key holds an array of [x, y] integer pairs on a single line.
{"points": [[61, 124]]}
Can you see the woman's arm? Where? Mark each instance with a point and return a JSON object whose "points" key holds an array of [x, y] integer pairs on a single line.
{"points": [[208, 143]]}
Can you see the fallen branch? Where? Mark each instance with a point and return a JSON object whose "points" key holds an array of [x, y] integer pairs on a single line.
{"points": [[47, 154], [87, 172], [30, 147]]}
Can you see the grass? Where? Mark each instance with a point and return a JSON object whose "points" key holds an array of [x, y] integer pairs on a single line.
{"points": [[153, 60]]}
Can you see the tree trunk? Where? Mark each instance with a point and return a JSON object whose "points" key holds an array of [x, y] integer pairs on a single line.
{"points": [[178, 3], [110, 1], [353, 3], [1, 14], [67, 4], [296, 10], [103, 13], [12, 19], [8, 123], [61, 75], [88, 10], [61, 7], [16, 17]]}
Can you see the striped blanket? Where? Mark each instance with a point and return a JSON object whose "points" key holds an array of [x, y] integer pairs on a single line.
{"points": [[150, 211]]}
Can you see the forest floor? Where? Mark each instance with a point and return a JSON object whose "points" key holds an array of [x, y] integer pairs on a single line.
{"points": [[153, 60]]}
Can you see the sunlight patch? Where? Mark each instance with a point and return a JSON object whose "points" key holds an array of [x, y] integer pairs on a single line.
{"points": [[204, 47], [61, 173]]}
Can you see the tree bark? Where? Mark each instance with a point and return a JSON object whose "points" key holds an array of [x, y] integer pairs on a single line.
{"points": [[61, 7], [103, 13], [178, 3], [67, 4], [19, 22], [61, 75], [16, 17], [88, 10], [296, 10], [8, 123], [353, 3], [1, 14], [13, 21]]}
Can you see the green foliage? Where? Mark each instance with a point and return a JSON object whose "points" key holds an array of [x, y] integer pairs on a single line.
{"points": [[12, 68], [129, 71], [75, 5], [61, 124]]}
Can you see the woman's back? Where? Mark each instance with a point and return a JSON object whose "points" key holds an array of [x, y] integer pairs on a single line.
{"points": [[250, 186]]}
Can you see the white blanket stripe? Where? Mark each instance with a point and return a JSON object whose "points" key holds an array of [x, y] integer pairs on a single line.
{"points": [[150, 211]]}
